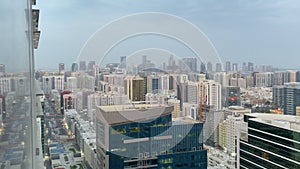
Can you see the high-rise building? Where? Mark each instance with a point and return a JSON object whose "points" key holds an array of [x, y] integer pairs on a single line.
{"points": [[222, 78], [191, 64], [202, 67], [298, 76], [233, 81], [176, 110], [114, 79], [209, 67], [235, 67], [245, 67], [292, 75], [85, 81], [153, 84], [171, 63], [249, 81], [53, 82], [69, 101], [59, 82], [2, 69], [227, 66], [231, 96], [250, 67], [278, 96], [134, 88], [82, 66], [279, 77], [165, 83], [272, 141], [71, 83], [61, 67], [291, 98], [47, 84], [123, 62], [210, 93], [242, 83], [264, 79], [127, 137], [192, 93], [144, 61], [91, 65], [218, 67], [229, 133], [74, 67], [5, 85]]}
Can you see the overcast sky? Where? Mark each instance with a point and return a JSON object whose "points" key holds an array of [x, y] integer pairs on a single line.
{"points": [[259, 31]]}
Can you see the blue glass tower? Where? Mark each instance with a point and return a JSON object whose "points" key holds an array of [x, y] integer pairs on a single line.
{"points": [[147, 138]]}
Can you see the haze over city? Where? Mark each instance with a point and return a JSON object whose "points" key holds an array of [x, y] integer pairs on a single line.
{"points": [[240, 30], [138, 84]]}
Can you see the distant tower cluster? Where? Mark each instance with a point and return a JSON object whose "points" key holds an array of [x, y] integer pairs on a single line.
{"points": [[61, 68], [82, 66], [2, 69]]}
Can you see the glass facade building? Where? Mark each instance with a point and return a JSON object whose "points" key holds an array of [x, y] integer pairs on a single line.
{"points": [[273, 142], [150, 142], [287, 97]]}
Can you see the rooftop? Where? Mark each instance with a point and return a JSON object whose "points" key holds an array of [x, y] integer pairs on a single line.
{"points": [[118, 114], [289, 122], [184, 120]]}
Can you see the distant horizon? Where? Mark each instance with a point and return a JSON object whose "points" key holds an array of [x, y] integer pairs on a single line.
{"points": [[68, 67], [267, 32]]}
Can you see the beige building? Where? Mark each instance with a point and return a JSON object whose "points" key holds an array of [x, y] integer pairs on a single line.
{"points": [[176, 110], [134, 88]]}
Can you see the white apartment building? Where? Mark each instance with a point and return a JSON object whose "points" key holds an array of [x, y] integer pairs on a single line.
{"points": [[5, 85], [211, 94], [71, 83], [229, 133], [264, 79]]}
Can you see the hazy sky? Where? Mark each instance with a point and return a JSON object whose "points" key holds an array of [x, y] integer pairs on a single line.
{"points": [[259, 31]]}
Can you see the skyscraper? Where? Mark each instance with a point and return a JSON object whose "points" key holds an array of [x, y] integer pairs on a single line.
{"points": [[147, 139], [272, 141], [298, 76], [264, 79], [2, 69], [202, 67], [210, 94], [231, 96], [74, 67], [144, 61], [190, 63], [218, 67], [227, 66], [91, 65], [235, 67], [123, 62], [61, 67], [291, 98], [134, 88], [245, 67], [82, 66], [278, 96], [250, 67], [279, 77], [209, 67]]}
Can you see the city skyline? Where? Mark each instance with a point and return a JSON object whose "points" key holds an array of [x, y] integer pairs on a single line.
{"points": [[138, 84], [270, 30]]}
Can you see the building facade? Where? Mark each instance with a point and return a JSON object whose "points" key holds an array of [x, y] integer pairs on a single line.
{"points": [[272, 142], [145, 141]]}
